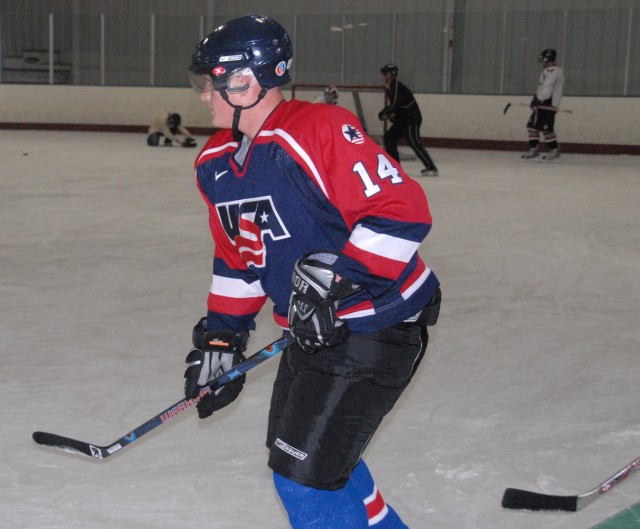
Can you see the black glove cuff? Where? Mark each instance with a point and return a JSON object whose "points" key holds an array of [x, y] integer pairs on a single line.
{"points": [[226, 341], [197, 335]]}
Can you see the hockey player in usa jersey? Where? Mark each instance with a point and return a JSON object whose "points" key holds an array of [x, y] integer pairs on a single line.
{"points": [[307, 211]]}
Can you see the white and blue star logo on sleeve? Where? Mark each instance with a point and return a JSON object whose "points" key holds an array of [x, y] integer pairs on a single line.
{"points": [[352, 134]]}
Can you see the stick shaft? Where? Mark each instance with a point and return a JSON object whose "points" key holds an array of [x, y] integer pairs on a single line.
{"points": [[76, 446]]}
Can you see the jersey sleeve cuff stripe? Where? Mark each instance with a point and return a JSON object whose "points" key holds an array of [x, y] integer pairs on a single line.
{"points": [[415, 280], [360, 310], [236, 288], [375, 264], [382, 244], [235, 307]]}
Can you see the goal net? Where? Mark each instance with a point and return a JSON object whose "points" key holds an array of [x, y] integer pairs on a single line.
{"points": [[364, 100]]}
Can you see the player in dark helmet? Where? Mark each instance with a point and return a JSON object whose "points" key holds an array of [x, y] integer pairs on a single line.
{"points": [[256, 44], [389, 69], [403, 112], [174, 121], [166, 129], [547, 56], [544, 106], [309, 212]]}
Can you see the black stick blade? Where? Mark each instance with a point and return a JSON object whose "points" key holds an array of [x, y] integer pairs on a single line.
{"points": [[69, 445], [534, 501]]}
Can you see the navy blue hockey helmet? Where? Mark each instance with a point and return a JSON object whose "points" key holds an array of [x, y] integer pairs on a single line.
{"points": [[250, 42], [548, 55]]}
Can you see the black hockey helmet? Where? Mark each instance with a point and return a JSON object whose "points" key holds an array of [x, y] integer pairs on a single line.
{"points": [[250, 42], [174, 120], [548, 55], [389, 69]]}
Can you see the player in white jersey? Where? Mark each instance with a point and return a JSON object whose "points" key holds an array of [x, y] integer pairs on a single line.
{"points": [[544, 106]]}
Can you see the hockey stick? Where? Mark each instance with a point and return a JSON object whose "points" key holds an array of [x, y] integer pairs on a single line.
{"points": [[534, 501], [559, 110], [101, 452]]}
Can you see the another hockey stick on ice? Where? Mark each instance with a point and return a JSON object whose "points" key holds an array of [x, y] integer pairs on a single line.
{"points": [[534, 501], [566, 111], [508, 106], [101, 452]]}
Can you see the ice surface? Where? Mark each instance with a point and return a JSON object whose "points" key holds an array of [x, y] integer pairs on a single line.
{"points": [[530, 379]]}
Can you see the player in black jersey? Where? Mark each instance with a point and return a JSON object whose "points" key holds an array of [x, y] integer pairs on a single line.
{"points": [[405, 116]]}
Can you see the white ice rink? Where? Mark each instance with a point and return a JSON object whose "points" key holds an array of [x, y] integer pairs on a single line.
{"points": [[530, 379]]}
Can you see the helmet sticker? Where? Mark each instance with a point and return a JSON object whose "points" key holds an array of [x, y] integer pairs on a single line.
{"points": [[281, 68], [218, 71], [352, 134], [229, 58]]}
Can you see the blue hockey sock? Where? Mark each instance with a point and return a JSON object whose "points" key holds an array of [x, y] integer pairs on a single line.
{"points": [[357, 505], [380, 514]]}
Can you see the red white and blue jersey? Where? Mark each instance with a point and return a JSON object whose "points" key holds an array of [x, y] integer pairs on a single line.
{"points": [[312, 181]]}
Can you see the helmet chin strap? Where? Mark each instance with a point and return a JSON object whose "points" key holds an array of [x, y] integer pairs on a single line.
{"points": [[237, 135]]}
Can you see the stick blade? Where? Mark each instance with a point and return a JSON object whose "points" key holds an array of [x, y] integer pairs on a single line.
{"points": [[69, 445], [534, 501]]}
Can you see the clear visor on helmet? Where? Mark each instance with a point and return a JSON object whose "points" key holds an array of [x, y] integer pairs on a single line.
{"points": [[233, 82]]}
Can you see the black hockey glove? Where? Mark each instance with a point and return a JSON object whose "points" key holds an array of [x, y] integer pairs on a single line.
{"points": [[216, 353], [314, 300], [535, 103], [189, 142]]}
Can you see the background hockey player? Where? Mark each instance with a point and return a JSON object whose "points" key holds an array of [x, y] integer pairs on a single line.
{"points": [[308, 211], [544, 106], [330, 96], [405, 116], [166, 129]]}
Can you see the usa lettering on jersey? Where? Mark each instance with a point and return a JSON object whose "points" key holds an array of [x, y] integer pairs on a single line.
{"points": [[246, 222]]}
